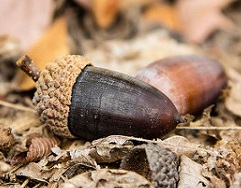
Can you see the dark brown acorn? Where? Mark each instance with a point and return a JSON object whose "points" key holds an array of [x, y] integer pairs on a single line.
{"points": [[190, 82], [75, 99]]}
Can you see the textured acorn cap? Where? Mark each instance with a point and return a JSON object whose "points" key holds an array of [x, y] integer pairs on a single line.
{"points": [[54, 91]]}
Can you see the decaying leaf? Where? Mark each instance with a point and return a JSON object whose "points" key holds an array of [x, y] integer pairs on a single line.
{"points": [[6, 139], [83, 157], [38, 147], [111, 148], [229, 165], [190, 174], [34, 171], [108, 178]]}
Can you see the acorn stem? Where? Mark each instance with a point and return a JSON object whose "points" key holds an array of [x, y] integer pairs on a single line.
{"points": [[26, 64]]}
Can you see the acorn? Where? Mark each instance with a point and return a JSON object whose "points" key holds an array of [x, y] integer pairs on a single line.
{"points": [[191, 82], [75, 99]]}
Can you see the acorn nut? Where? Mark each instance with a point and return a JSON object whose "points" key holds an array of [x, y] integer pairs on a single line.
{"points": [[191, 82], [75, 99]]}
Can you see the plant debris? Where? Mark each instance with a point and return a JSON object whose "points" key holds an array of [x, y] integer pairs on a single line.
{"points": [[123, 36]]}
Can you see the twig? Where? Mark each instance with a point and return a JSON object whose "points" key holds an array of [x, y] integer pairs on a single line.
{"points": [[210, 128], [16, 106], [26, 64], [24, 183]]}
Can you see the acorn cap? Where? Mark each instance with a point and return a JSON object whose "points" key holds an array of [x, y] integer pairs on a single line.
{"points": [[54, 91]]}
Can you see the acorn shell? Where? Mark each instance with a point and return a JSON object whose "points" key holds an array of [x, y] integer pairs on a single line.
{"points": [[191, 82], [75, 99]]}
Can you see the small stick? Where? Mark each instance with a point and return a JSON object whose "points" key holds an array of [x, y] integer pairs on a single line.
{"points": [[16, 106], [209, 128], [26, 64]]}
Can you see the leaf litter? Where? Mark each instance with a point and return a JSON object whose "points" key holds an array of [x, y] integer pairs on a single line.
{"points": [[204, 152]]}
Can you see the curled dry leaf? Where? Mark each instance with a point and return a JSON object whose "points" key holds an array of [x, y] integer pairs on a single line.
{"points": [[38, 147], [108, 178], [6, 139]]}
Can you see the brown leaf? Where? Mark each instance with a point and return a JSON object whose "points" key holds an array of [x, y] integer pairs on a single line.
{"points": [[52, 44], [38, 147], [34, 171], [6, 139], [195, 20], [164, 14], [233, 101], [201, 18], [190, 174], [108, 178], [105, 12], [25, 20]]}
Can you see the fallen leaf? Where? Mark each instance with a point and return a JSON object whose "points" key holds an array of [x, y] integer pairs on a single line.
{"points": [[201, 18], [195, 20], [25, 20], [108, 178], [38, 147], [190, 174], [6, 139], [34, 171], [51, 45], [164, 14], [105, 12], [233, 101]]}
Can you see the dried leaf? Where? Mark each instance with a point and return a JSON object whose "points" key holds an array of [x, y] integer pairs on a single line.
{"points": [[6, 139], [233, 101], [34, 171], [190, 174], [195, 20], [108, 178], [111, 148], [38, 147], [164, 14], [83, 157], [25, 20], [215, 181], [227, 166], [105, 12], [201, 18], [52, 44]]}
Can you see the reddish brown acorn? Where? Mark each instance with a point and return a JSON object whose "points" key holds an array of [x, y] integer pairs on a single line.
{"points": [[75, 99], [190, 82]]}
